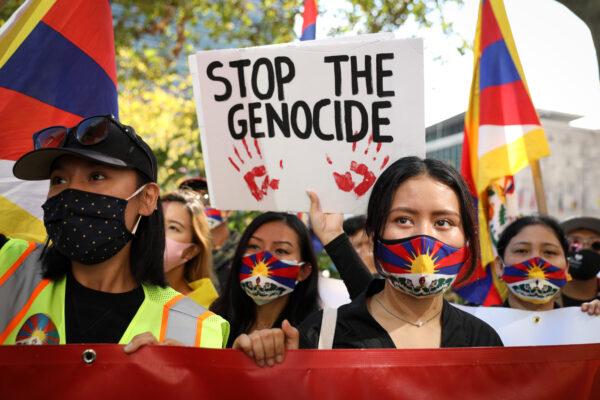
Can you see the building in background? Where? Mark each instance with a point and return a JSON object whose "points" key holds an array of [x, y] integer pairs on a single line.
{"points": [[571, 174]]}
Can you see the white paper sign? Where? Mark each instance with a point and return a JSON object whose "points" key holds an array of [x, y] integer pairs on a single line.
{"points": [[278, 120], [528, 328]]}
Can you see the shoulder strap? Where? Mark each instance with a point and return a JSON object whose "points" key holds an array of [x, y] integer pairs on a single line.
{"points": [[327, 328]]}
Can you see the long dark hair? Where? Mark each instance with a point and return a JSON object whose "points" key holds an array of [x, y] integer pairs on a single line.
{"points": [[240, 310], [521, 223], [405, 168], [147, 250]]}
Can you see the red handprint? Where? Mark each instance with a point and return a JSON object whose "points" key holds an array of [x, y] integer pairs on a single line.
{"points": [[255, 172], [345, 181]]}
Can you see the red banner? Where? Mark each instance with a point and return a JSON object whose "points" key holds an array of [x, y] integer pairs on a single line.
{"points": [[545, 372]]}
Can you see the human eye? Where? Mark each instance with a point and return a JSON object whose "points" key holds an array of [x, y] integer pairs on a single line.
{"points": [[252, 247], [57, 180], [520, 250], [173, 228], [97, 176], [281, 252], [402, 220], [444, 223]]}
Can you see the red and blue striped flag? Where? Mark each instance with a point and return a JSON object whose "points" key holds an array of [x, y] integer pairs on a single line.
{"points": [[309, 25], [503, 133], [57, 66]]}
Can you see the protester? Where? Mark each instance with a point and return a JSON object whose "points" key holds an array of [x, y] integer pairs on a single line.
{"points": [[533, 263], [422, 221], [99, 278], [583, 234], [273, 276], [188, 259], [354, 227], [224, 240]]}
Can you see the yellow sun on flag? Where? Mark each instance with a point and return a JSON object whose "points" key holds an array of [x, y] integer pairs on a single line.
{"points": [[536, 273], [39, 334], [260, 269], [422, 264]]}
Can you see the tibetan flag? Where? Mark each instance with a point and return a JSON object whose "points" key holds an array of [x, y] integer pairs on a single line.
{"points": [[57, 66], [309, 25], [503, 133]]}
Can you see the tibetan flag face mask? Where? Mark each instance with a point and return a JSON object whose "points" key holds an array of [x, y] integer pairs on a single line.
{"points": [[535, 280], [420, 266], [265, 278]]}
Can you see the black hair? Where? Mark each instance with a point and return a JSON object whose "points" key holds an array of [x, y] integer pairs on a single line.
{"points": [[147, 249], [519, 224], [354, 224], [240, 310], [405, 168]]}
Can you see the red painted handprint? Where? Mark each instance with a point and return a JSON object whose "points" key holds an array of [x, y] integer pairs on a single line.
{"points": [[256, 171], [345, 180]]}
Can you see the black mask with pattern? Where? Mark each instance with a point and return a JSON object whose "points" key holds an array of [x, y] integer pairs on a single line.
{"points": [[584, 264], [87, 227]]}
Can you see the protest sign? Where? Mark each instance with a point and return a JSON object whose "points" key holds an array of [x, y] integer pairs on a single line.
{"points": [[552, 372], [278, 120], [536, 328]]}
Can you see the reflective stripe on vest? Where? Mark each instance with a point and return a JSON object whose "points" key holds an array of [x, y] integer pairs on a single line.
{"points": [[20, 288], [183, 320]]}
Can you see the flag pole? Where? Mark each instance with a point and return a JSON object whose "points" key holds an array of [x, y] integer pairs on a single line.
{"points": [[538, 184]]}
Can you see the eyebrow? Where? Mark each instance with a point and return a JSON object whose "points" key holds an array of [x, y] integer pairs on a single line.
{"points": [[529, 243], [436, 212], [172, 221], [276, 242]]}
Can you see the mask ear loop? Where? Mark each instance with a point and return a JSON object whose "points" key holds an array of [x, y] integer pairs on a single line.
{"points": [[137, 223]]}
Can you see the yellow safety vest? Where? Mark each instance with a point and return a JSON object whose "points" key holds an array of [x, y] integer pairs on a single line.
{"points": [[32, 309]]}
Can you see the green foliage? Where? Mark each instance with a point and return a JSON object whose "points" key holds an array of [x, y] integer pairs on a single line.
{"points": [[368, 16]]}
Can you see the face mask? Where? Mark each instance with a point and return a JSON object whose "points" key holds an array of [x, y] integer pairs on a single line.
{"points": [[535, 281], [87, 227], [174, 253], [265, 278], [584, 264], [420, 266]]}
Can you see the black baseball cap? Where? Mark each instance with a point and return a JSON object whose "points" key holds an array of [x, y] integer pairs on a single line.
{"points": [[122, 147]]}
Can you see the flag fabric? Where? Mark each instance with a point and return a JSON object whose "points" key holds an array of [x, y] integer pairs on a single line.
{"points": [[57, 66], [502, 135], [309, 26]]}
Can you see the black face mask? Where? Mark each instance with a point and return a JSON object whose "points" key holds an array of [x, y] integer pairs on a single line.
{"points": [[584, 264], [87, 227]]}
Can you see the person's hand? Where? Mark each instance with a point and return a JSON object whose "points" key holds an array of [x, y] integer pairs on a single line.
{"points": [[146, 339], [592, 308], [327, 226], [268, 346]]}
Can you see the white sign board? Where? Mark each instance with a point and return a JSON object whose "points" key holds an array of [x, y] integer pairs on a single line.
{"points": [[528, 328], [276, 121]]}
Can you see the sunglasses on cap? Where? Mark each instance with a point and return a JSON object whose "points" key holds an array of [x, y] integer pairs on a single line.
{"points": [[88, 132]]}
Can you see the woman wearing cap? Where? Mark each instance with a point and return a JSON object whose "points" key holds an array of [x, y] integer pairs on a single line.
{"points": [[422, 222], [99, 278], [188, 258], [532, 261]]}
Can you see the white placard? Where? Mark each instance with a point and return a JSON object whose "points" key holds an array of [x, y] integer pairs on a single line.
{"points": [[278, 120], [567, 325]]}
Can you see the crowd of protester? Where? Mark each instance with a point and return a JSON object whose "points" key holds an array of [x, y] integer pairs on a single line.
{"points": [[125, 264]]}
